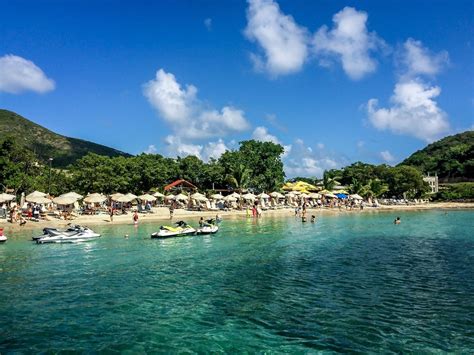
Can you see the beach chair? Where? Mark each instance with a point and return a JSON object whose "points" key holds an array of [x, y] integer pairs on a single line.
{"points": [[210, 208]]}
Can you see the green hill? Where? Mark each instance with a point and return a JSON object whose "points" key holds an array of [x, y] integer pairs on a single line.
{"points": [[452, 158], [47, 144]]}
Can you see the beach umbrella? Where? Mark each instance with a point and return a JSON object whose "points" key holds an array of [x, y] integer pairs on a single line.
{"points": [[124, 199], [6, 197], [39, 199], [95, 198], [73, 194], [170, 197], [147, 197], [249, 196], [304, 195], [323, 192], [34, 195], [116, 196], [341, 196], [217, 197], [314, 195], [263, 195], [330, 195], [235, 194], [65, 200], [199, 197], [158, 194], [230, 198], [356, 197], [182, 197]]}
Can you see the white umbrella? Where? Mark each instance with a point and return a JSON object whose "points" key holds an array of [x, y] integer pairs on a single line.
{"points": [[158, 194], [182, 197], [303, 195], [125, 198], [356, 197], [170, 197], [147, 197], [116, 196], [230, 198], [65, 200], [276, 195], [235, 194], [33, 195], [249, 196], [217, 197], [39, 199], [95, 198], [314, 195], [263, 195], [330, 195], [6, 197], [73, 194], [197, 195]]}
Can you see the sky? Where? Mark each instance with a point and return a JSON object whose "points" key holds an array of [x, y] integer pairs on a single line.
{"points": [[334, 82]]}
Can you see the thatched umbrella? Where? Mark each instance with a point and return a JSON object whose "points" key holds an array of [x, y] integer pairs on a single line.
{"points": [[6, 197], [147, 197], [249, 196], [217, 197], [95, 198], [65, 200], [39, 199], [73, 194], [158, 194], [182, 197], [34, 195]]}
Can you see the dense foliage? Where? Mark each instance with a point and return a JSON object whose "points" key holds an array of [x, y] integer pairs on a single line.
{"points": [[459, 191], [46, 144], [451, 157], [256, 165], [379, 180]]}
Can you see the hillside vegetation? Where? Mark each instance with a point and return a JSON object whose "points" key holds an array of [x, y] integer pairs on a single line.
{"points": [[452, 158], [47, 144]]}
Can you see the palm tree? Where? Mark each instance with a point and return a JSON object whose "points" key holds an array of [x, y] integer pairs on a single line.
{"points": [[239, 177], [329, 182]]}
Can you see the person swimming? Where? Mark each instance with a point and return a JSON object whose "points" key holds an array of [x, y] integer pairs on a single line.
{"points": [[313, 218], [397, 220], [303, 219]]}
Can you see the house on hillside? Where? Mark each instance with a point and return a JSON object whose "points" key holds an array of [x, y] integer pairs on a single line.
{"points": [[433, 182]]}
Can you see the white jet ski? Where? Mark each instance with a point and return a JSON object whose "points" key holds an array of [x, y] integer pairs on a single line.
{"points": [[180, 229], [73, 234], [3, 238], [208, 227]]}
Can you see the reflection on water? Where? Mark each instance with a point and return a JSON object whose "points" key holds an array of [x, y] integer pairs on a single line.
{"points": [[346, 283]]}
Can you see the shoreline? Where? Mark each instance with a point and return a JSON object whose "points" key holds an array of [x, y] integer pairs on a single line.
{"points": [[161, 214]]}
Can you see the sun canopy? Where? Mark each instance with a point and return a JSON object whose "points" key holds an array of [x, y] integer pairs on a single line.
{"points": [[72, 194], [65, 200], [199, 197], [116, 196], [277, 195], [263, 195], [235, 194], [230, 198], [39, 199], [299, 186], [330, 195], [249, 196], [33, 195], [182, 197], [158, 194], [356, 197], [341, 196], [170, 197], [126, 198], [314, 195], [94, 198], [6, 197], [147, 197], [217, 197]]}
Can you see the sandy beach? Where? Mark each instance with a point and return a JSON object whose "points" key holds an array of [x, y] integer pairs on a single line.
{"points": [[161, 215]]}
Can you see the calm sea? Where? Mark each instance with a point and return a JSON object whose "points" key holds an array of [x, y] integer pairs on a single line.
{"points": [[346, 283]]}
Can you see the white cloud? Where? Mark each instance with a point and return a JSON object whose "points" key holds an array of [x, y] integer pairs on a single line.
{"points": [[387, 156], [350, 42], [151, 149], [18, 74], [176, 147], [261, 134], [187, 116], [302, 161], [320, 145], [283, 42], [418, 60], [414, 112], [208, 23]]}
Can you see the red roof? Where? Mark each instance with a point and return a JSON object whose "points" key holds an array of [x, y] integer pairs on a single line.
{"points": [[180, 182]]}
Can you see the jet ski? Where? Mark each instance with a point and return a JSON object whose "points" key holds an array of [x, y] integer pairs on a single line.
{"points": [[208, 227], [3, 238], [73, 234], [55, 231], [179, 229]]}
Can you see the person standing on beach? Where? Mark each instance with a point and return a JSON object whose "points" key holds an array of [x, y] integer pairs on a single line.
{"points": [[111, 213], [171, 210]]}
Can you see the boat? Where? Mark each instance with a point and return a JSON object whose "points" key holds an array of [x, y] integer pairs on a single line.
{"points": [[208, 227], [74, 234], [3, 238], [180, 229]]}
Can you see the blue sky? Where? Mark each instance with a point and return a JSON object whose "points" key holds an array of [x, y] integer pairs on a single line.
{"points": [[332, 81]]}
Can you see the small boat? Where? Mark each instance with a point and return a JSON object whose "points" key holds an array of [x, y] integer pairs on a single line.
{"points": [[3, 238], [208, 227], [73, 234], [179, 229]]}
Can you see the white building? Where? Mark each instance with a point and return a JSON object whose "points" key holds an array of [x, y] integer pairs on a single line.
{"points": [[433, 182]]}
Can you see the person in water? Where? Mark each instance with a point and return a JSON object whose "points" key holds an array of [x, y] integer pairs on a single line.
{"points": [[201, 222], [397, 220], [135, 218], [313, 218], [303, 219]]}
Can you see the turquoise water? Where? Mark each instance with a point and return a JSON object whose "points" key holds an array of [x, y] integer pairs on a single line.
{"points": [[347, 283]]}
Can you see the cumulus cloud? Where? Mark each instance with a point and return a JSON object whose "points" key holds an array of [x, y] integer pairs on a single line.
{"points": [[282, 41], [350, 42], [387, 156], [188, 117], [261, 134], [176, 147], [303, 161], [414, 112], [151, 149], [18, 74], [418, 60]]}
